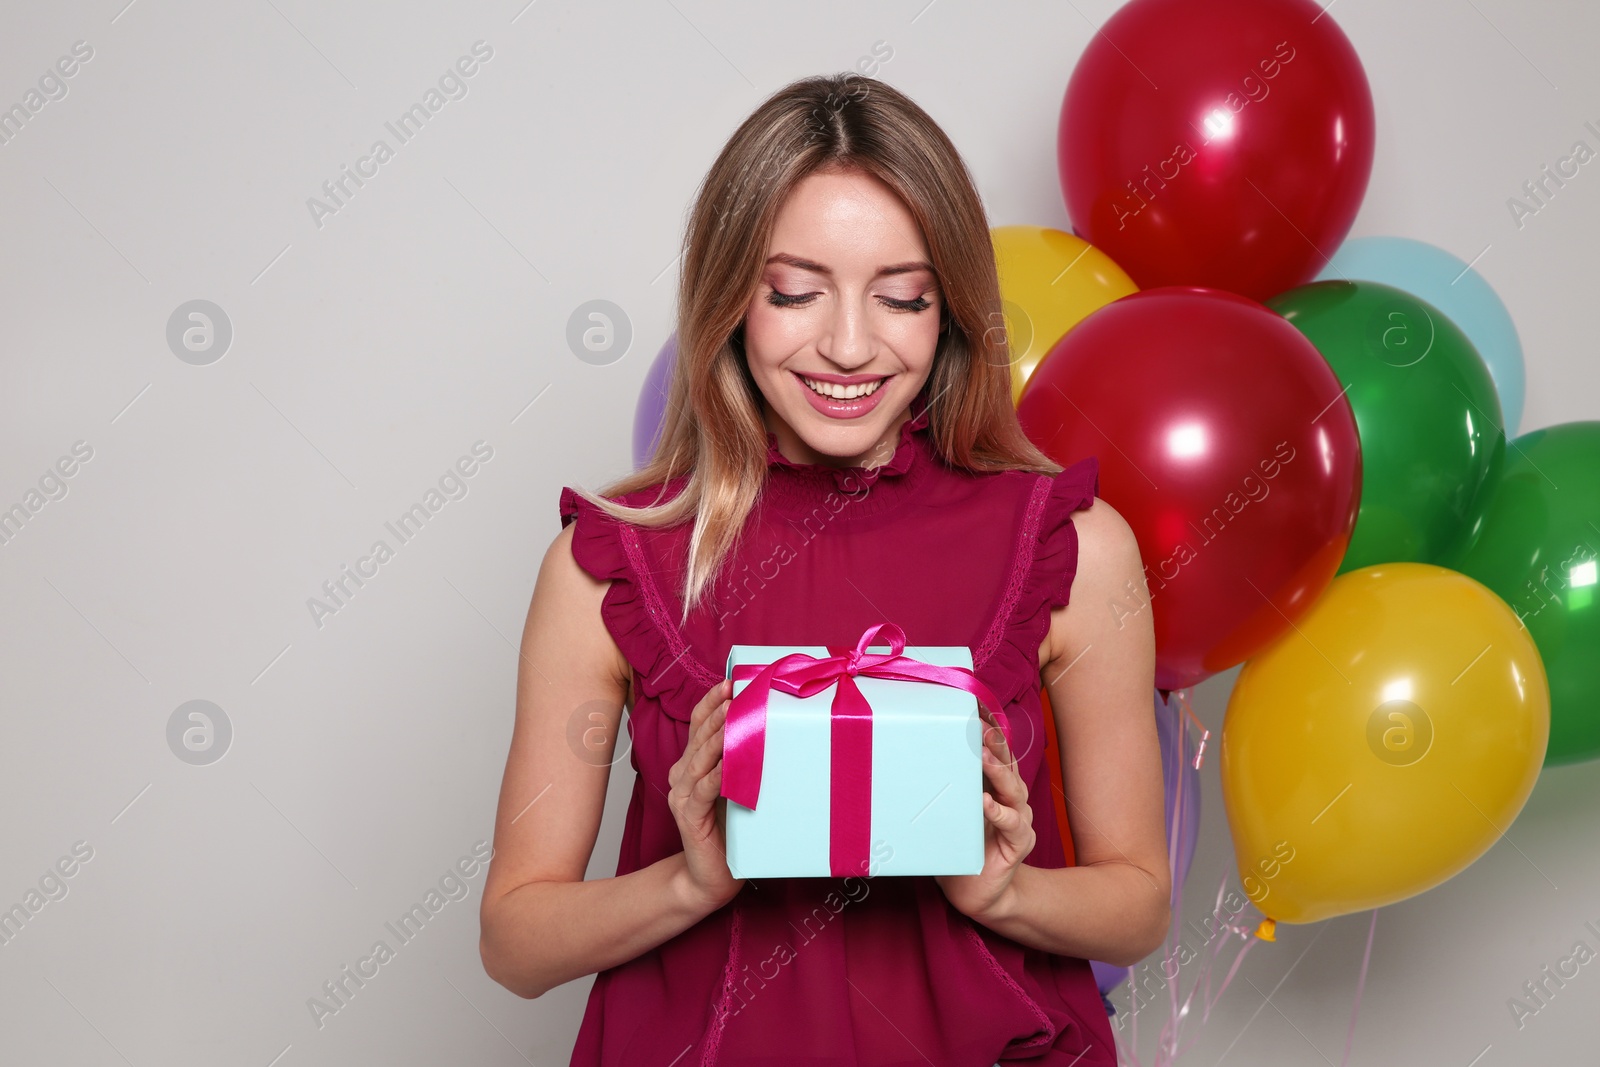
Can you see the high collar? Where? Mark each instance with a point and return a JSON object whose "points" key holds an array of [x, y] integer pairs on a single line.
{"points": [[794, 488]]}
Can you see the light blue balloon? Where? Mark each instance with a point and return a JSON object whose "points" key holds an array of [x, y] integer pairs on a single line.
{"points": [[1450, 285]]}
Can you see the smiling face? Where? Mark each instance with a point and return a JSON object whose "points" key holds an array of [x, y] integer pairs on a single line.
{"points": [[847, 297]]}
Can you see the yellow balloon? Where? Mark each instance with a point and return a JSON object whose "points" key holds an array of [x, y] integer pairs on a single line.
{"points": [[1382, 744], [1049, 280]]}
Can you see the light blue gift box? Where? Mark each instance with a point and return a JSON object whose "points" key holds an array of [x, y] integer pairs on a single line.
{"points": [[927, 780]]}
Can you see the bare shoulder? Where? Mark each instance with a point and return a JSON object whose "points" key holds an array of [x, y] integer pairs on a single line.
{"points": [[1108, 586], [1104, 538], [565, 613]]}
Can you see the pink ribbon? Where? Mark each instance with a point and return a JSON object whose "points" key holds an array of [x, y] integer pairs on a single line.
{"points": [[800, 674]]}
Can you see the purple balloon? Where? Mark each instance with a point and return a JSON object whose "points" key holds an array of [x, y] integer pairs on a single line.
{"points": [[650, 412], [1169, 719], [1107, 977]]}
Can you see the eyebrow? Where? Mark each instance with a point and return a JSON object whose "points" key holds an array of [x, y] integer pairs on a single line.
{"points": [[908, 267]]}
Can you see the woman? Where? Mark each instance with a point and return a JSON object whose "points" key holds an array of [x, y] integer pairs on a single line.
{"points": [[840, 449]]}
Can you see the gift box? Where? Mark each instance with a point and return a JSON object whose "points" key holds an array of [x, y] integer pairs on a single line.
{"points": [[857, 761]]}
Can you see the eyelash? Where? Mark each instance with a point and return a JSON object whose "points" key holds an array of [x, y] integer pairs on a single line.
{"points": [[777, 299]]}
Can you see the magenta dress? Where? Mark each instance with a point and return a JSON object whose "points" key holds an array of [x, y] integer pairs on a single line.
{"points": [[827, 971]]}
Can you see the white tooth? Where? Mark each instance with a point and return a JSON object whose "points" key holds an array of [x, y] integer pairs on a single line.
{"points": [[842, 392]]}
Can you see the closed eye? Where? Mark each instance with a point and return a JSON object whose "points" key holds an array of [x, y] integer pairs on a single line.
{"points": [[777, 299]]}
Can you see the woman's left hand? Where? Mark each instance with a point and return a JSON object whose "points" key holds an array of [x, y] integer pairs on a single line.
{"points": [[1008, 835]]}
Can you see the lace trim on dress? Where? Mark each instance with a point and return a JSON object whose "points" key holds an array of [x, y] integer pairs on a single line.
{"points": [[657, 608], [713, 1039], [1049, 1029], [1041, 578], [1021, 570]]}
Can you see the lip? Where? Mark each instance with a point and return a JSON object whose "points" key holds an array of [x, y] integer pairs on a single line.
{"points": [[844, 409], [845, 379]]}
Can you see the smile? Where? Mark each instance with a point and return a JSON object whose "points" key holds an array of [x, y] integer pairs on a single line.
{"points": [[841, 392]]}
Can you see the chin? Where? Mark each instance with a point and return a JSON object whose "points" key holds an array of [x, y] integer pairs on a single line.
{"points": [[843, 445]]}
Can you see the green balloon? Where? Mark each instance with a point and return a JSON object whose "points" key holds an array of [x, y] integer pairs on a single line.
{"points": [[1426, 409], [1536, 548]]}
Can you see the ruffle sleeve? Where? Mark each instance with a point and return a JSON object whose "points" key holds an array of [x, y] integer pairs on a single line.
{"points": [[633, 608], [1049, 550]]}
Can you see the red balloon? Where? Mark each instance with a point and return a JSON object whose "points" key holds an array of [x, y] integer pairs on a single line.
{"points": [[1222, 143], [1226, 442]]}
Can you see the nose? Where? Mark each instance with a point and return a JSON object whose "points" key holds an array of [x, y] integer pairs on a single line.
{"points": [[847, 340]]}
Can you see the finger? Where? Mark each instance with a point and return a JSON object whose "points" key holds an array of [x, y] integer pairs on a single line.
{"points": [[1002, 747], [705, 792], [708, 703], [1005, 819], [1008, 785], [699, 718], [702, 710], [691, 765], [709, 750], [995, 738]]}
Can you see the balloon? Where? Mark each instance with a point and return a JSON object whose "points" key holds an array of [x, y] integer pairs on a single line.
{"points": [[1180, 839], [1430, 422], [1537, 549], [1049, 281], [650, 412], [1453, 287], [1224, 441], [1108, 976], [1382, 745], [1222, 143]]}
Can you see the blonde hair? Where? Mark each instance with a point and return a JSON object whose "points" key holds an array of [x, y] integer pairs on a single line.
{"points": [[713, 429]]}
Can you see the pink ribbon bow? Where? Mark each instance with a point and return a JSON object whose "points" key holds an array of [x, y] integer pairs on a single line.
{"points": [[850, 756]]}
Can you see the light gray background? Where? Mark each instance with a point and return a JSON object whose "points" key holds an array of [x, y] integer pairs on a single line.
{"points": [[431, 312]]}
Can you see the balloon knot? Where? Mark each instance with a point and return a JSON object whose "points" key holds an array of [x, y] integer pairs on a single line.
{"points": [[1267, 930]]}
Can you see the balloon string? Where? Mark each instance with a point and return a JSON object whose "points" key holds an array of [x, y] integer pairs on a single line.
{"points": [[1188, 709], [1170, 1043], [1208, 1000], [1180, 742], [1129, 1055], [1173, 1049], [1361, 980]]}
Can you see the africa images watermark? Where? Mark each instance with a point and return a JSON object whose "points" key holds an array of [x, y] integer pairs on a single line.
{"points": [[338, 991], [52, 486], [452, 485], [1555, 581], [852, 890], [1539, 992], [52, 86], [452, 85], [1543, 189], [1253, 88], [52, 887], [1148, 979], [1252, 490]]}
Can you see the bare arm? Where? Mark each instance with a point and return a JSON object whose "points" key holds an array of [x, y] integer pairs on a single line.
{"points": [[541, 924], [1099, 664]]}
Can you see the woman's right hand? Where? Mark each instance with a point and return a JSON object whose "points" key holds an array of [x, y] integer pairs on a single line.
{"points": [[695, 785]]}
